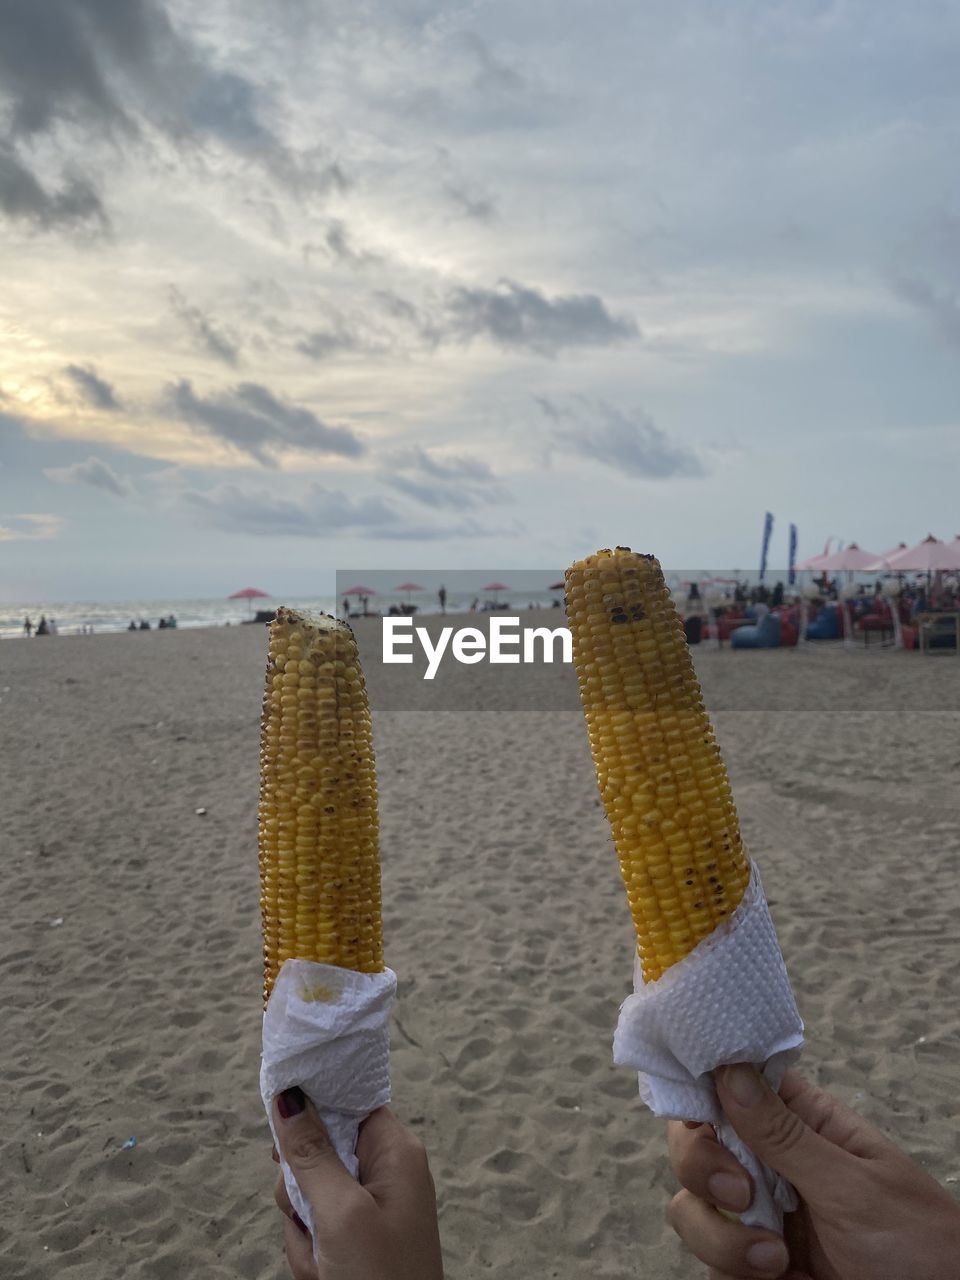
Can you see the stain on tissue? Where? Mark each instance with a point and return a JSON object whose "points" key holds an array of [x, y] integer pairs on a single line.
{"points": [[317, 993]]}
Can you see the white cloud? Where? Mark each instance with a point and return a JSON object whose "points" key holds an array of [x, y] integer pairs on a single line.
{"points": [[35, 527]]}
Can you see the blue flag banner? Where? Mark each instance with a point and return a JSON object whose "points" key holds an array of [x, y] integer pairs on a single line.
{"points": [[792, 564], [767, 531]]}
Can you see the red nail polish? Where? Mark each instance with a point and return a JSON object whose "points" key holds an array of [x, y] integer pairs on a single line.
{"points": [[291, 1102]]}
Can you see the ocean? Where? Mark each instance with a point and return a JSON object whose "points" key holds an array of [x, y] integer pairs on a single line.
{"points": [[116, 615]]}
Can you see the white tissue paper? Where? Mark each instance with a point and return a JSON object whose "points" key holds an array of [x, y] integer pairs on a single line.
{"points": [[327, 1030], [729, 1000]]}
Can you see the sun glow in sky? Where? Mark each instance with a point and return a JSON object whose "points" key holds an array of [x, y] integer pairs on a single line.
{"points": [[394, 282]]}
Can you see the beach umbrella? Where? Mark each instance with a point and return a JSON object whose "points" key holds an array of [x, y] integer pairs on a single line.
{"points": [[850, 560], [359, 591], [250, 594], [407, 587], [814, 562], [926, 557], [556, 586], [496, 588]]}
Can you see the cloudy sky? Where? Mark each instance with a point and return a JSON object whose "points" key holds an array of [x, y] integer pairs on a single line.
{"points": [[420, 282]]}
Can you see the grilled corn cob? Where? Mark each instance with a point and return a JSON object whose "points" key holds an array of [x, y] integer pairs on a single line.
{"points": [[318, 825], [662, 779]]}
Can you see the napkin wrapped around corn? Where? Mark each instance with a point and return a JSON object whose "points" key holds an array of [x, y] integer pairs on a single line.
{"points": [[710, 985], [327, 993]]}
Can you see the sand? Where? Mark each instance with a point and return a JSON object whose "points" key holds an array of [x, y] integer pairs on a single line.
{"points": [[129, 950]]}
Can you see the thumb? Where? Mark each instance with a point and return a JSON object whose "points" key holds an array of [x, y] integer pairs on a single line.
{"points": [[306, 1147], [774, 1133]]}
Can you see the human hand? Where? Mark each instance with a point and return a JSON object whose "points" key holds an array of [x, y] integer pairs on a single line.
{"points": [[867, 1211], [382, 1227]]}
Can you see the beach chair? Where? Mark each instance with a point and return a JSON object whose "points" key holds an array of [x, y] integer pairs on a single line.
{"points": [[765, 635]]}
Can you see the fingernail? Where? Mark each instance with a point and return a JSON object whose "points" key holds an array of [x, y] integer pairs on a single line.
{"points": [[744, 1082], [731, 1189], [692, 1124], [299, 1222], [291, 1102], [768, 1255]]}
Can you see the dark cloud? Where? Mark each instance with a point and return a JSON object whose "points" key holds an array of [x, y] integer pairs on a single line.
{"points": [[24, 198], [492, 74], [255, 421], [205, 333], [94, 472], [92, 387], [339, 244], [339, 338], [110, 68], [940, 307], [321, 511], [516, 316], [512, 315], [456, 481], [471, 203], [426, 329], [633, 444]]}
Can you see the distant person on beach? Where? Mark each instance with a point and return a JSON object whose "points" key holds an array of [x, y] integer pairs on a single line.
{"points": [[52, 627], [381, 1225], [132, 626], [442, 597], [346, 607], [144, 625], [42, 628], [867, 1211], [27, 626]]}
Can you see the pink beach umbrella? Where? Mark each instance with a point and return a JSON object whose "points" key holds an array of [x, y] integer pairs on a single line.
{"points": [[850, 560], [250, 594], [926, 557], [496, 588], [408, 587], [359, 591]]}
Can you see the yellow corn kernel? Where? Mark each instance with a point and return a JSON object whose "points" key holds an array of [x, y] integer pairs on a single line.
{"points": [[318, 821], [662, 778]]}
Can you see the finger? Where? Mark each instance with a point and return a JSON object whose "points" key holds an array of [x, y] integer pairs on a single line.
{"points": [[777, 1135], [306, 1147], [707, 1169], [829, 1117], [299, 1252], [393, 1161], [730, 1247], [281, 1197]]}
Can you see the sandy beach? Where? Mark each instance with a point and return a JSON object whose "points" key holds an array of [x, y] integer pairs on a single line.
{"points": [[130, 954]]}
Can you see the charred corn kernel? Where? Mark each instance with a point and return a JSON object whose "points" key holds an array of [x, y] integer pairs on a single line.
{"points": [[662, 779], [318, 823]]}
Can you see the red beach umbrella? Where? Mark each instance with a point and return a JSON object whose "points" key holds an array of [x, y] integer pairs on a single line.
{"points": [[359, 591], [250, 593], [496, 588], [408, 587], [556, 586]]}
